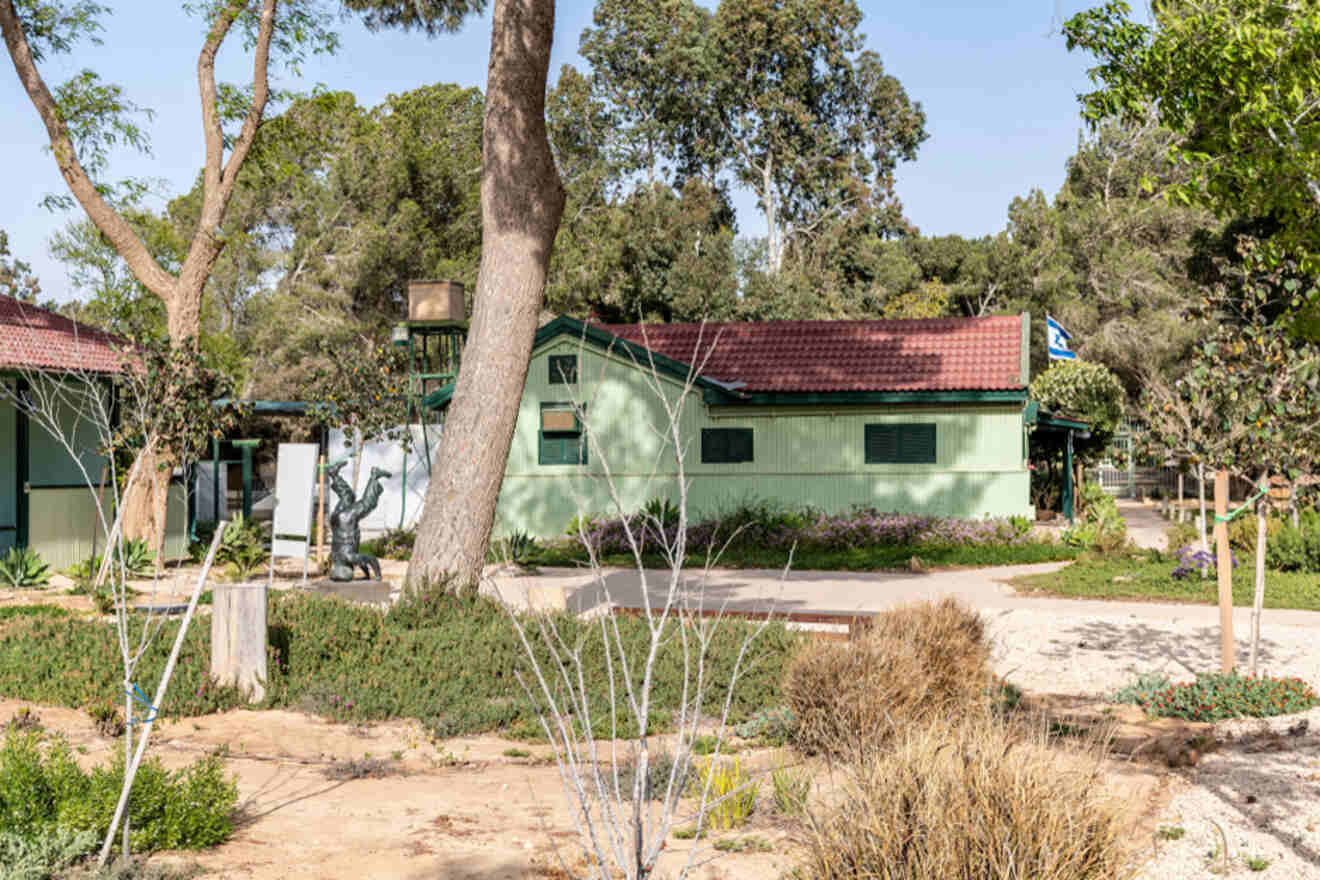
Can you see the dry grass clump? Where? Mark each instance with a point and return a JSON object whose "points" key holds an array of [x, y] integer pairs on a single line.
{"points": [[981, 798], [914, 664]]}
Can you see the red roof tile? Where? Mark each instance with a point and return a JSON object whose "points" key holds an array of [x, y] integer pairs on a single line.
{"points": [[947, 354], [36, 338]]}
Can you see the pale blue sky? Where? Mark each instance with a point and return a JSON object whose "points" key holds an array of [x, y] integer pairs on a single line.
{"points": [[998, 87]]}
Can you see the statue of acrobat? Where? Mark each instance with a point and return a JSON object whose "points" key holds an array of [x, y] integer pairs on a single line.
{"points": [[345, 535]]}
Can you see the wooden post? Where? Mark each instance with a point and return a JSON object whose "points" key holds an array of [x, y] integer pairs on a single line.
{"points": [[238, 637], [320, 514], [1224, 555]]}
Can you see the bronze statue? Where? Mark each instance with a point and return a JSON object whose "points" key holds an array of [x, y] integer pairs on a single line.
{"points": [[345, 536]]}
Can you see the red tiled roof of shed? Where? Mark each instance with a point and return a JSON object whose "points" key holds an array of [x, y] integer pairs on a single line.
{"points": [[37, 338], [945, 354]]}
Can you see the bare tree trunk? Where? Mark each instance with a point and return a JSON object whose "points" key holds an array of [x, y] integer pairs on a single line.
{"points": [[1200, 491], [522, 200], [1262, 513]]}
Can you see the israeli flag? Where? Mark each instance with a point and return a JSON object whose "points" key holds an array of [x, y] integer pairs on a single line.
{"points": [[1057, 340]]}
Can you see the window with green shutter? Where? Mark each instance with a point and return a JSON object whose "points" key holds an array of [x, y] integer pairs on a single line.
{"points": [[563, 369], [900, 444], [726, 445], [561, 439]]}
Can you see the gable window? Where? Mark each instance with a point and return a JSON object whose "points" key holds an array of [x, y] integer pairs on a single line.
{"points": [[561, 439], [912, 443], [563, 369], [726, 445]]}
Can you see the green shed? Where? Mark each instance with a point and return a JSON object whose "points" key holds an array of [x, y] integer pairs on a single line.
{"points": [[45, 501], [920, 416]]}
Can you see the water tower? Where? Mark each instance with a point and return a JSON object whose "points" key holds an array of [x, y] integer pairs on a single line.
{"points": [[433, 336]]}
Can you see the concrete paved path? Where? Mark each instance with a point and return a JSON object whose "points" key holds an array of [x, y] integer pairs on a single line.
{"points": [[847, 593]]}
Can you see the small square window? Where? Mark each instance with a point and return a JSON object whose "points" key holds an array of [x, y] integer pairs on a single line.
{"points": [[726, 445], [900, 444], [563, 369]]}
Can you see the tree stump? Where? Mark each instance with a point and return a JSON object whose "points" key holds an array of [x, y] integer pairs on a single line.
{"points": [[238, 637]]}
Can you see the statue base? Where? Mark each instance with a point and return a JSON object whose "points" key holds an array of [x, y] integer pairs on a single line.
{"points": [[365, 592]]}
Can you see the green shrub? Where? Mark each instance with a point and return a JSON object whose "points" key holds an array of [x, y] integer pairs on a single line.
{"points": [[1184, 534], [1295, 548], [43, 789], [393, 544], [1142, 690], [518, 548], [1101, 526], [23, 568], [1214, 697], [1242, 532], [773, 726], [661, 510]]}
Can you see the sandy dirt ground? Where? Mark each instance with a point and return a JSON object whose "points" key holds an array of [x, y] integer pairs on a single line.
{"points": [[458, 809]]}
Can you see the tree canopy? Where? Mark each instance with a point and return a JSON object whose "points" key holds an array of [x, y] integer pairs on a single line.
{"points": [[1238, 82]]}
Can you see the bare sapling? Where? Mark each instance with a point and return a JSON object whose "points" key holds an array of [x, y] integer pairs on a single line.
{"points": [[1258, 601], [622, 824]]}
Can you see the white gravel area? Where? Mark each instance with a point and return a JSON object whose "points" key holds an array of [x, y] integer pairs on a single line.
{"points": [[1262, 787]]}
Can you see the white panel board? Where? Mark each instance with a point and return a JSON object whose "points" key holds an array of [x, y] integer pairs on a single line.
{"points": [[402, 495], [295, 485], [297, 549]]}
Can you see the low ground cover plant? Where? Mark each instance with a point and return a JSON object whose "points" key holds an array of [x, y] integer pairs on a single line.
{"points": [[1215, 697], [1100, 527], [762, 534], [43, 791], [1148, 574], [447, 661], [913, 665]]}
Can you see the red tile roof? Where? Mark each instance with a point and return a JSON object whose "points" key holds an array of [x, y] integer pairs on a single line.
{"points": [[36, 338], [946, 354]]}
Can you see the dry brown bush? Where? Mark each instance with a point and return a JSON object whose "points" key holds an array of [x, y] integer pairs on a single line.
{"points": [[980, 798], [913, 664]]}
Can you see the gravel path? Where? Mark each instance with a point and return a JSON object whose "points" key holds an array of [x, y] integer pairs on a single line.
{"points": [[1262, 787]]}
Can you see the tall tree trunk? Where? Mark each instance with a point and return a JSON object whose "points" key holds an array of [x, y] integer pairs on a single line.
{"points": [[146, 501], [521, 204]]}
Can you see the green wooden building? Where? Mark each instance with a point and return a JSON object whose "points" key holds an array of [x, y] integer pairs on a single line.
{"points": [[45, 501], [924, 416]]}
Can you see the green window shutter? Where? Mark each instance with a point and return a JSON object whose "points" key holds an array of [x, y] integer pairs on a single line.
{"points": [[900, 444], [726, 445], [563, 369]]}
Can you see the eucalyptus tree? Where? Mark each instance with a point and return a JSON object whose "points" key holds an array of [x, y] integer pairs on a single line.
{"points": [[16, 278]]}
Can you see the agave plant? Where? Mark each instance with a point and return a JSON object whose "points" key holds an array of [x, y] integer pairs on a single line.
{"points": [[23, 568]]}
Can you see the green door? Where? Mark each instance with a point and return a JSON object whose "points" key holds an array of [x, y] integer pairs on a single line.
{"points": [[9, 483]]}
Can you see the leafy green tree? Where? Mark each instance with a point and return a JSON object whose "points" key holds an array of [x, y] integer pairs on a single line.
{"points": [[803, 115], [16, 278], [655, 255], [1238, 82], [86, 117], [775, 95], [1109, 256], [1087, 391]]}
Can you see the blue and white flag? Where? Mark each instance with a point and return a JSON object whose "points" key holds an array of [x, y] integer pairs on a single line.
{"points": [[1057, 341]]}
